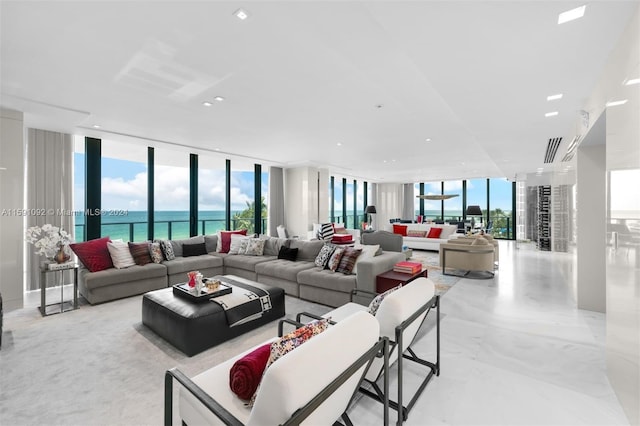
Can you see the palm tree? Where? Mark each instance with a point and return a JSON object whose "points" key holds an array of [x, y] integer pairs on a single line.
{"points": [[244, 219]]}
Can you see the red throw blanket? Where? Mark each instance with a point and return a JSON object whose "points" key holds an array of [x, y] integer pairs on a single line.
{"points": [[246, 373]]}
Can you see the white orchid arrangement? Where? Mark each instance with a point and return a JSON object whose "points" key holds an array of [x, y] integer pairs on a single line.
{"points": [[47, 239]]}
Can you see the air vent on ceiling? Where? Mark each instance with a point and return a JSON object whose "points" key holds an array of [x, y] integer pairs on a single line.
{"points": [[552, 149], [571, 149]]}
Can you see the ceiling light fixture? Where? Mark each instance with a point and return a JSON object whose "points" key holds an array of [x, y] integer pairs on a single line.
{"points": [[631, 81], [616, 103], [571, 15], [207, 103], [241, 14], [554, 97], [428, 139], [96, 126], [551, 114], [379, 106], [218, 99], [216, 149], [339, 144]]}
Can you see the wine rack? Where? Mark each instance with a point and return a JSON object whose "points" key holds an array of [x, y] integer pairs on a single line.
{"points": [[544, 218]]}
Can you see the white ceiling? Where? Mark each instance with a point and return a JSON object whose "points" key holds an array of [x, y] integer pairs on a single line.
{"points": [[300, 77]]}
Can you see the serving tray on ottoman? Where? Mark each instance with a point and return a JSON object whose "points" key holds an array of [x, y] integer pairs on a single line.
{"points": [[183, 290], [194, 327]]}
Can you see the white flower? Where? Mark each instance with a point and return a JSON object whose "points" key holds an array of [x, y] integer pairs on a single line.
{"points": [[47, 239]]}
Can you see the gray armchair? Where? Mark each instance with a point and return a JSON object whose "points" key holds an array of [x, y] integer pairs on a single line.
{"points": [[388, 241]]}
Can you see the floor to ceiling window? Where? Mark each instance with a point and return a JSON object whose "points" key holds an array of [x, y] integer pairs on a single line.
{"points": [[124, 191], [242, 196], [500, 221], [432, 208], [171, 194], [211, 194], [477, 196], [453, 206], [78, 188], [337, 200]]}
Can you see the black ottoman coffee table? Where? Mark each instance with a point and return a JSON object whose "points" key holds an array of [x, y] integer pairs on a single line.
{"points": [[193, 327]]}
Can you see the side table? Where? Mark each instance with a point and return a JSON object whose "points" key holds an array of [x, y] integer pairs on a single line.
{"points": [[390, 279], [63, 306]]}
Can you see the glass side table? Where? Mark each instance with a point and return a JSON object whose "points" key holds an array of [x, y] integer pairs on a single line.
{"points": [[63, 305]]}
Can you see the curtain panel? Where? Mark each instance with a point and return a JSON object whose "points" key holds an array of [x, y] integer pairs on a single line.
{"points": [[276, 199], [49, 192]]}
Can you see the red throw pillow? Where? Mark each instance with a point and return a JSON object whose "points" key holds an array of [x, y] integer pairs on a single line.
{"points": [[225, 239], [93, 254], [434, 233], [400, 229], [246, 373]]}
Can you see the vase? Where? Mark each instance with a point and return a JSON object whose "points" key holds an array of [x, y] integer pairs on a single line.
{"points": [[61, 256]]}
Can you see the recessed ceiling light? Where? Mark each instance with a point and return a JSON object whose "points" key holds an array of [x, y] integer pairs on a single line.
{"points": [[241, 14], [551, 114], [384, 161], [216, 149], [616, 103], [428, 139], [554, 97], [379, 106], [218, 99], [96, 126], [339, 144], [572, 14], [207, 103], [632, 81]]}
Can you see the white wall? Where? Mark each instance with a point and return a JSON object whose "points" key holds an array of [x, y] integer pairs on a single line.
{"points": [[11, 199], [389, 202]]}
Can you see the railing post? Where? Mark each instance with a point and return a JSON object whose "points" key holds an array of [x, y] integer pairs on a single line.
{"points": [[169, 229], [131, 231], [203, 222]]}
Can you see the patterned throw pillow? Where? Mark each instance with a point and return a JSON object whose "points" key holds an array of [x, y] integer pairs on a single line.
{"points": [[238, 244], [93, 254], [420, 234], [255, 247], [375, 303], [325, 253], [334, 260], [167, 249], [156, 252], [290, 341], [140, 253], [326, 232], [348, 260]]}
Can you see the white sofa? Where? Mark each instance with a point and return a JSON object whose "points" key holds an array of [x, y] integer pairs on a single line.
{"points": [[424, 243]]}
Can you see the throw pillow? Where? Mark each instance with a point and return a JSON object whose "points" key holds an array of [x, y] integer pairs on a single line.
{"points": [[326, 231], [348, 260], [246, 373], [325, 253], [140, 253], [434, 233], [290, 341], [400, 229], [93, 254], [255, 247], [334, 260], [368, 252], [287, 253], [212, 243], [339, 229], [167, 249], [225, 239], [480, 241], [416, 233], [155, 251], [238, 244], [120, 254], [194, 249], [375, 303]]}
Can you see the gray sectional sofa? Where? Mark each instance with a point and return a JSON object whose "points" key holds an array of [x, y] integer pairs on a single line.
{"points": [[299, 278]]}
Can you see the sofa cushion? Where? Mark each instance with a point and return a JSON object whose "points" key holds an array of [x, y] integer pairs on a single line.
{"points": [[93, 254], [348, 260], [211, 241], [167, 249], [323, 256], [248, 263], [140, 253], [156, 252], [255, 247], [225, 239], [272, 245], [120, 254], [334, 260], [197, 249], [193, 263], [283, 269], [326, 279], [368, 252], [238, 244], [287, 253], [177, 244], [400, 229], [113, 276], [307, 250]]}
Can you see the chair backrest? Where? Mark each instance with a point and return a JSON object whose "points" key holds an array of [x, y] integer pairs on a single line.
{"points": [[282, 231], [388, 241], [300, 375], [394, 310]]}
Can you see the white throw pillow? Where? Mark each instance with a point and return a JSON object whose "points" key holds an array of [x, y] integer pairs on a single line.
{"points": [[237, 246], [120, 254], [368, 252]]}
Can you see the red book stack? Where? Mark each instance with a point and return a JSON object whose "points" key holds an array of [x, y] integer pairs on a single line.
{"points": [[408, 267]]}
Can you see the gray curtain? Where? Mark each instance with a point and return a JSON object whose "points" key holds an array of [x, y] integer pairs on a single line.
{"points": [[276, 199], [408, 206], [49, 193]]}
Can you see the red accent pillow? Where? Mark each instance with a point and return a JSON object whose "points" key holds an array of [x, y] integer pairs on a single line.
{"points": [[434, 233], [225, 239], [400, 229], [93, 254]]}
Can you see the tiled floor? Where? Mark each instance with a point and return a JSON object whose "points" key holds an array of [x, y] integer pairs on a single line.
{"points": [[514, 351]]}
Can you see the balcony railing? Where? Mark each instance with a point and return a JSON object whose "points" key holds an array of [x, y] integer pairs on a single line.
{"points": [[166, 229]]}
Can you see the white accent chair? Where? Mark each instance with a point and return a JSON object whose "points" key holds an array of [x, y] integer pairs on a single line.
{"points": [[313, 383], [400, 316]]}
